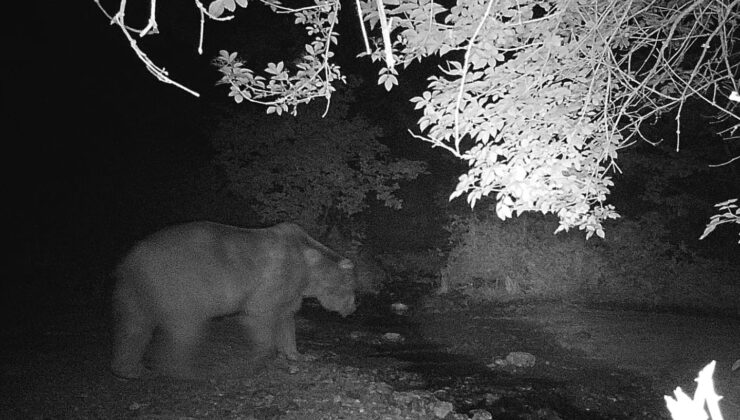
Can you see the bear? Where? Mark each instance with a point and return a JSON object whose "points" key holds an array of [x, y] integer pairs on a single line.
{"points": [[179, 278]]}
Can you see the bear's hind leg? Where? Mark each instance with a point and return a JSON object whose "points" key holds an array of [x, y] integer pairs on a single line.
{"points": [[261, 331]]}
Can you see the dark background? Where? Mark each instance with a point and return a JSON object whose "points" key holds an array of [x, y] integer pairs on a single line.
{"points": [[96, 152], [99, 153]]}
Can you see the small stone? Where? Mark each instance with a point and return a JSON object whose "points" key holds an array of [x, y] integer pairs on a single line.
{"points": [[492, 398], [383, 388], [547, 414], [308, 357], [399, 308], [497, 363], [393, 337], [441, 394], [521, 359], [442, 409], [403, 398], [480, 414]]}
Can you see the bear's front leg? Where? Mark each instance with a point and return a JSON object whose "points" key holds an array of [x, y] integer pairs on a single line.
{"points": [[285, 337]]}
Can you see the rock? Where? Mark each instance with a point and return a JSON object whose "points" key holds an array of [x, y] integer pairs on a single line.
{"points": [[393, 337], [306, 357], [547, 414], [491, 398], [497, 363], [441, 394], [521, 359], [383, 388], [480, 414], [442, 409], [399, 308]]}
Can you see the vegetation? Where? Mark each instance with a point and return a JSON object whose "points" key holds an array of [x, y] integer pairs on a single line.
{"points": [[636, 265], [537, 97], [307, 169]]}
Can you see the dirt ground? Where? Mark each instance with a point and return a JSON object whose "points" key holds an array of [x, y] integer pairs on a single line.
{"points": [[590, 363], [618, 362]]}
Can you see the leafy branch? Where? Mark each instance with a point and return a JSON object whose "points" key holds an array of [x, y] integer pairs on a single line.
{"points": [[280, 90], [537, 96]]}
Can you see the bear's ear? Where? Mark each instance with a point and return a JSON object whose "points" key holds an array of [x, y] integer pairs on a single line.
{"points": [[346, 264], [312, 256]]}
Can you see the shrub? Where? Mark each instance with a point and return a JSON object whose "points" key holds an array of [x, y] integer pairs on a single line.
{"points": [[520, 257], [307, 169], [636, 265]]}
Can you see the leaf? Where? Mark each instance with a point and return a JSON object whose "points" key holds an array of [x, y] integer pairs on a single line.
{"points": [[216, 8], [518, 173], [229, 5], [275, 69], [503, 211], [457, 193], [725, 203], [390, 81]]}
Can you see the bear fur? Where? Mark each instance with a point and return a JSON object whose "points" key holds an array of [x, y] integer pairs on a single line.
{"points": [[179, 278]]}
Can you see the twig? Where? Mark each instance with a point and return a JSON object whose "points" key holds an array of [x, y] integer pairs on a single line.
{"points": [[464, 70], [151, 26], [390, 62], [724, 163], [362, 27]]}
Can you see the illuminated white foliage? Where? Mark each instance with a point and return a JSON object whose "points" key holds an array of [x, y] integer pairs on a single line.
{"points": [[536, 96]]}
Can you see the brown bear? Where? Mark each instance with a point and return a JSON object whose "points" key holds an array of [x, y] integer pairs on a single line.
{"points": [[179, 278]]}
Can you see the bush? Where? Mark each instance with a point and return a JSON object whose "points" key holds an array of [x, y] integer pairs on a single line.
{"points": [[313, 170], [494, 260], [518, 257], [645, 268]]}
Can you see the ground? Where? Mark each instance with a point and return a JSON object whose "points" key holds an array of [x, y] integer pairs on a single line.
{"points": [[591, 363]]}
